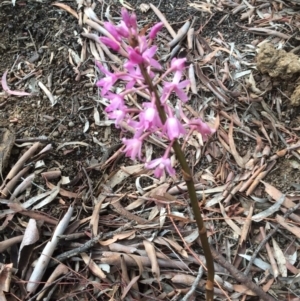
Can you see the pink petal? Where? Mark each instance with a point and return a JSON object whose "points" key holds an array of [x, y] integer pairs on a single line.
{"points": [[202, 127], [155, 29], [110, 43], [134, 56], [173, 128], [125, 16], [122, 29], [178, 64], [112, 30], [153, 163], [181, 95], [133, 148]]}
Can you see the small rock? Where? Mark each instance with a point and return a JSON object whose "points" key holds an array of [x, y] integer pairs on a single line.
{"points": [[295, 98], [34, 57], [71, 124], [55, 134], [277, 63]]}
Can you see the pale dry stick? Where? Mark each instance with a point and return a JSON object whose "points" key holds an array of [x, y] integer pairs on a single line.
{"points": [[195, 284], [22, 186], [17, 167], [47, 252], [102, 56], [162, 18], [192, 79], [270, 254], [83, 53], [180, 35], [95, 53], [267, 32], [4, 245], [42, 138], [48, 93], [270, 234], [190, 37], [32, 41]]}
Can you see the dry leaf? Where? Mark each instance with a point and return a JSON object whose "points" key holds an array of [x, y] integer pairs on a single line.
{"points": [[242, 289], [31, 236], [272, 209], [5, 276], [66, 8], [116, 237], [93, 266], [123, 174], [149, 247], [293, 229], [275, 194], [279, 256]]}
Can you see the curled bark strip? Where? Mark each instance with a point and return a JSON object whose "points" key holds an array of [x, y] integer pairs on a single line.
{"points": [[17, 167], [121, 210]]}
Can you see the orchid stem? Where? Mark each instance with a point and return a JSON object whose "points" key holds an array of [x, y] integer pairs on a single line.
{"points": [[188, 178]]}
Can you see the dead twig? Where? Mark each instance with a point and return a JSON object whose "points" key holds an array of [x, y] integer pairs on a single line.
{"points": [[265, 240], [194, 286], [239, 276], [86, 246]]}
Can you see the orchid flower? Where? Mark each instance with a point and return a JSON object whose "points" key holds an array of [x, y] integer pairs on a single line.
{"points": [[141, 54]]}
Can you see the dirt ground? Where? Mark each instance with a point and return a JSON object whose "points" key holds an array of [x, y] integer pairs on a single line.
{"points": [[41, 43]]}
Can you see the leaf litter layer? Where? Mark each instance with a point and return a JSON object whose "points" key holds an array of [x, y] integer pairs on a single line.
{"points": [[127, 235]]}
